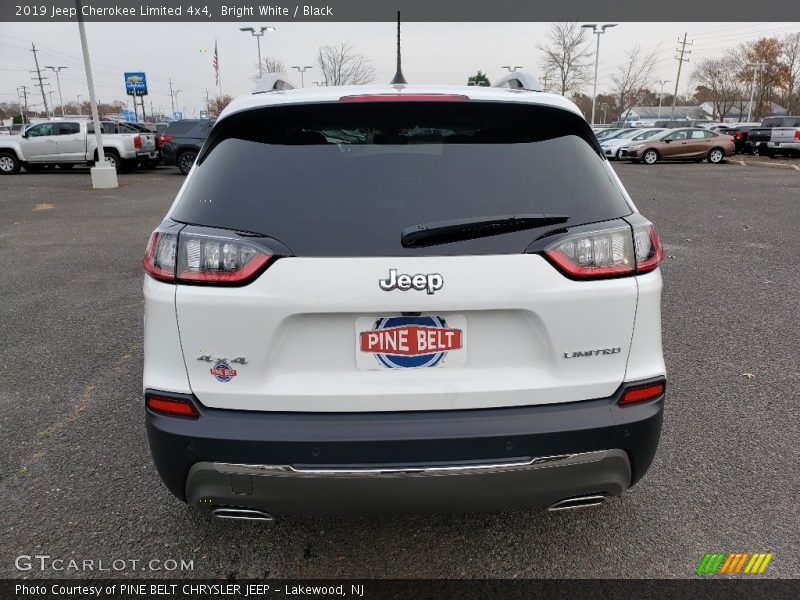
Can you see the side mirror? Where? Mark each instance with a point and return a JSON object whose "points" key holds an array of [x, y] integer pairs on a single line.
{"points": [[667, 140]]}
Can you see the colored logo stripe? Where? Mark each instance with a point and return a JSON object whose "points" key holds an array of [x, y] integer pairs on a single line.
{"points": [[734, 563]]}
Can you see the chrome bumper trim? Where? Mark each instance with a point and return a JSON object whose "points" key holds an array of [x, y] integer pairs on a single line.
{"points": [[411, 471]]}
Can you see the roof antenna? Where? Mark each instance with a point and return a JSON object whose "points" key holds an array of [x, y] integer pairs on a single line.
{"points": [[398, 77]]}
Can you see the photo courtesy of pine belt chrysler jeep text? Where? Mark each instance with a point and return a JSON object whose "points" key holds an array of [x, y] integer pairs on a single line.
{"points": [[388, 299]]}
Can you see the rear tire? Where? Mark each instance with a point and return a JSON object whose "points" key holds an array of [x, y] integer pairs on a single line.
{"points": [[114, 160], [9, 163], [650, 157], [185, 161], [716, 156]]}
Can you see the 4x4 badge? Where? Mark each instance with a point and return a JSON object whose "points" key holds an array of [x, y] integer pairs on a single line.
{"points": [[429, 282]]}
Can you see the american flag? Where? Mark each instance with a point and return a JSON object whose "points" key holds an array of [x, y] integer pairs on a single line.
{"points": [[215, 62]]}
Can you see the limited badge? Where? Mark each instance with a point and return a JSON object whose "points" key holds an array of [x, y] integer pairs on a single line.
{"points": [[222, 371]]}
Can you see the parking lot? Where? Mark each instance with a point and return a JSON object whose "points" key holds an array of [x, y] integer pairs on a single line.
{"points": [[77, 481]]}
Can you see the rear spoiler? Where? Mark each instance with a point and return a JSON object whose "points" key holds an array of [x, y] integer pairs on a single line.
{"points": [[519, 80], [272, 82]]}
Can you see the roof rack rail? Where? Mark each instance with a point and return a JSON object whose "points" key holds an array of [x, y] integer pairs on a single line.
{"points": [[519, 80], [272, 82]]}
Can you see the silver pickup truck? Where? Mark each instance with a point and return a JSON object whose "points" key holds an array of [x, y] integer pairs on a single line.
{"points": [[785, 139], [65, 143]]}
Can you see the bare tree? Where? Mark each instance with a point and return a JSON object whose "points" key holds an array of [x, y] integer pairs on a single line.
{"points": [[719, 76], [270, 64], [791, 58], [566, 54], [630, 81], [342, 65]]}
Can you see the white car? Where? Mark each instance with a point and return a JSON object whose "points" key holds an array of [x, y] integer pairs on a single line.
{"points": [[387, 299], [611, 148]]}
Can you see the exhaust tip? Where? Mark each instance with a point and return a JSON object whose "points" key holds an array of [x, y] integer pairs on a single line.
{"points": [[242, 514], [578, 502]]}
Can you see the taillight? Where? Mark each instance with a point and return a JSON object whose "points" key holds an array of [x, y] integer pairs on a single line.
{"points": [[642, 393], [137, 142], [171, 406], [203, 259], [404, 98], [609, 252], [649, 252], [606, 253], [797, 134], [159, 258], [739, 135], [166, 138]]}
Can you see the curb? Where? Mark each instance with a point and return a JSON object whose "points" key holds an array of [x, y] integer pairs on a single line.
{"points": [[765, 165]]}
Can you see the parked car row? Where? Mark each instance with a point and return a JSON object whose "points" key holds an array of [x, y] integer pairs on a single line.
{"points": [[773, 136], [651, 145], [66, 143]]}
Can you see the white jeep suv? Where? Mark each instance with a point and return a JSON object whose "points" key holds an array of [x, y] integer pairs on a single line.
{"points": [[402, 299]]}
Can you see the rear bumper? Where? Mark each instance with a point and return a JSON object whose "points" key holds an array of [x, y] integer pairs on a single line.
{"points": [[438, 461]]}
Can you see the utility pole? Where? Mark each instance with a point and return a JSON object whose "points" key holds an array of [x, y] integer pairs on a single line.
{"points": [[58, 80], [171, 97], [661, 94], [545, 77], [680, 60], [39, 77], [24, 93]]}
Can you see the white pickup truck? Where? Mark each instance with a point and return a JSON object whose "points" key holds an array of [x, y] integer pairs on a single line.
{"points": [[68, 143]]}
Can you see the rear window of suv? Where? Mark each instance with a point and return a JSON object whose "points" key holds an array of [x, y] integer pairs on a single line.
{"points": [[345, 179]]}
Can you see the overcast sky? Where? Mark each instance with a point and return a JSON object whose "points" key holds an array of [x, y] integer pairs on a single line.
{"points": [[445, 53]]}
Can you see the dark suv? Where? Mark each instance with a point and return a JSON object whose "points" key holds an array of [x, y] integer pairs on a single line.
{"points": [[182, 140]]}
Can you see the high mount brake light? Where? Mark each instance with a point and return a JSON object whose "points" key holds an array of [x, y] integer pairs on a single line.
{"points": [[611, 252], [404, 98], [203, 259]]}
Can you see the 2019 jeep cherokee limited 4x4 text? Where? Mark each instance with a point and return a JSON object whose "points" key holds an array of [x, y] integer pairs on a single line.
{"points": [[398, 298]]}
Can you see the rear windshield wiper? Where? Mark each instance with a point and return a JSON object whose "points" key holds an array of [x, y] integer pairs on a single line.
{"points": [[445, 232]]}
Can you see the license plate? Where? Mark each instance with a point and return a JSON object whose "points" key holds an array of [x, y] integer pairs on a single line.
{"points": [[410, 342]]}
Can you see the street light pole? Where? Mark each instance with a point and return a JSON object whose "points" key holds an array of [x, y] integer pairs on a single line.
{"points": [[103, 174], [58, 80], [597, 30], [759, 65], [302, 70], [661, 95], [511, 69], [258, 35], [80, 105]]}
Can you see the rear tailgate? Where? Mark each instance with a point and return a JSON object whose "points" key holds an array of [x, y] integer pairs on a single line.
{"points": [[335, 185], [297, 330], [785, 134], [759, 135]]}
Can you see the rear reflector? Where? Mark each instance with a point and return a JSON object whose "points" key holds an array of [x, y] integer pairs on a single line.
{"points": [[171, 406], [642, 393], [404, 98]]}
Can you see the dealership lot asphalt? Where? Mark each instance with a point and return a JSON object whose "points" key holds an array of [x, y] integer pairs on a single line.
{"points": [[77, 482]]}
